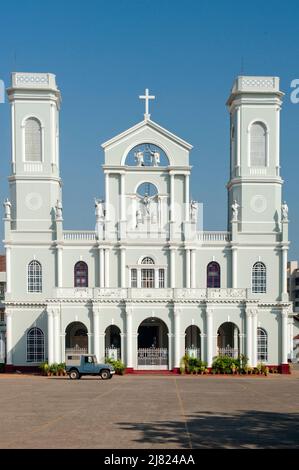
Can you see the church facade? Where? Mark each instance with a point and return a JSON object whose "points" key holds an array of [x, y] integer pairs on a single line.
{"points": [[148, 284]]}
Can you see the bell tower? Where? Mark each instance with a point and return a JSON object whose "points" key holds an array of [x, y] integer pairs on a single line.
{"points": [[35, 185], [255, 183]]}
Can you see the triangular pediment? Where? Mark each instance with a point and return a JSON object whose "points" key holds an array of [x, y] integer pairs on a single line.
{"points": [[147, 123]]}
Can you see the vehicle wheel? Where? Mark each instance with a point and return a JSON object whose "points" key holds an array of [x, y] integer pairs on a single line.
{"points": [[74, 374], [105, 374]]}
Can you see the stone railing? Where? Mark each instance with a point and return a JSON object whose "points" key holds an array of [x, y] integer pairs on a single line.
{"points": [[82, 235], [214, 236], [34, 167], [147, 294]]}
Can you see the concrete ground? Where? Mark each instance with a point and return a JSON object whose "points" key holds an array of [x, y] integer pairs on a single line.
{"points": [[150, 412]]}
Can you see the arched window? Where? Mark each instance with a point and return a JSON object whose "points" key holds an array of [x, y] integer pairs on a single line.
{"points": [[34, 278], [147, 260], [258, 145], [33, 140], [262, 345], [81, 274], [259, 276], [35, 345], [213, 275]]}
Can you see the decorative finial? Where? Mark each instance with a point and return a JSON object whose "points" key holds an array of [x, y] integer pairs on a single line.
{"points": [[147, 97]]}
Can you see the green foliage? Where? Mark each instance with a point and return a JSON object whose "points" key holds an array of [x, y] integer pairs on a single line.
{"points": [[118, 365], [192, 365]]}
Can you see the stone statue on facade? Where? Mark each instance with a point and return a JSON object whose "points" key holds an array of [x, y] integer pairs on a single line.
{"points": [[155, 158], [146, 202], [99, 205], [284, 212], [7, 209], [58, 210], [193, 210], [139, 159], [235, 209]]}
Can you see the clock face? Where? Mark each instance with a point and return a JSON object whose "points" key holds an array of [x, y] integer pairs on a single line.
{"points": [[33, 201], [258, 203]]}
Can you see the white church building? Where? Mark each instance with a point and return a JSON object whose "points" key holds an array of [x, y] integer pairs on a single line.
{"points": [[148, 283]]}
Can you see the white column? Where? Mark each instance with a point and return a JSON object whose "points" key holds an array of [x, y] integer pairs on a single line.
{"points": [[129, 338], [123, 267], [102, 271], [172, 215], [62, 346], [50, 337], [107, 197], [170, 367], [59, 266], [13, 140], [249, 336], [234, 267], [8, 269], [193, 269], [156, 278], [107, 267], [122, 197], [254, 338], [188, 284], [172, 268], [284, 270], [96, 333], [56, 335], [209, 321], [122, 344], [89, 338], [187, 198], [177, 352], [9, 347], [139, 278], [284, 336]]}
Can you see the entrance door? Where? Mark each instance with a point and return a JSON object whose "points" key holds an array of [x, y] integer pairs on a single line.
{"points": [[152, 345]]}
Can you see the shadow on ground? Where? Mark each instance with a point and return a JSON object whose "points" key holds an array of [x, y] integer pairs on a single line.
{"points": [[249, 429]]}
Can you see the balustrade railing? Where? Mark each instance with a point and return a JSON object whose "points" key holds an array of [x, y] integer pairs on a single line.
{"points": [[74, 235], [152, 357], [228, 351], [214, 236]]}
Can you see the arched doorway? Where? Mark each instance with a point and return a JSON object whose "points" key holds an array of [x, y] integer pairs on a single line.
{"points": [[76, 338], [193, 341], [228, 340], [112, 342], [152, 344]]}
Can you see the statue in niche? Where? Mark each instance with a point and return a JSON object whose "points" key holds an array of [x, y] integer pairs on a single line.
{"points": [[7, 209], [155, 158], [284, 212], [58, 210], [146, 202], [99, 205], [193, 210], [235, 208], [139, 159]]}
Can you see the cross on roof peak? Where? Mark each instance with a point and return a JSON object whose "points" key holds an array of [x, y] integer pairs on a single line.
{"points": [[147, 97]]}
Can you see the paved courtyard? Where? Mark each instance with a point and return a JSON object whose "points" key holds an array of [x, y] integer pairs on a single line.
{"points": [[149, 412]]}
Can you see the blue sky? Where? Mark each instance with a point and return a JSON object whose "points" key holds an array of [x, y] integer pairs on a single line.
{"points": [[105, 53]]}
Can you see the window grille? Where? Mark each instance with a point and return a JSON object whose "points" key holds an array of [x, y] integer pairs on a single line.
{"points": [[213, 275], [147, 278], [81, 274], [161, 278], [34, 276], [259, 278], [33, 141], [262, 345], [133, 277], [147, 260], [35, 345], [257, 145]]}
